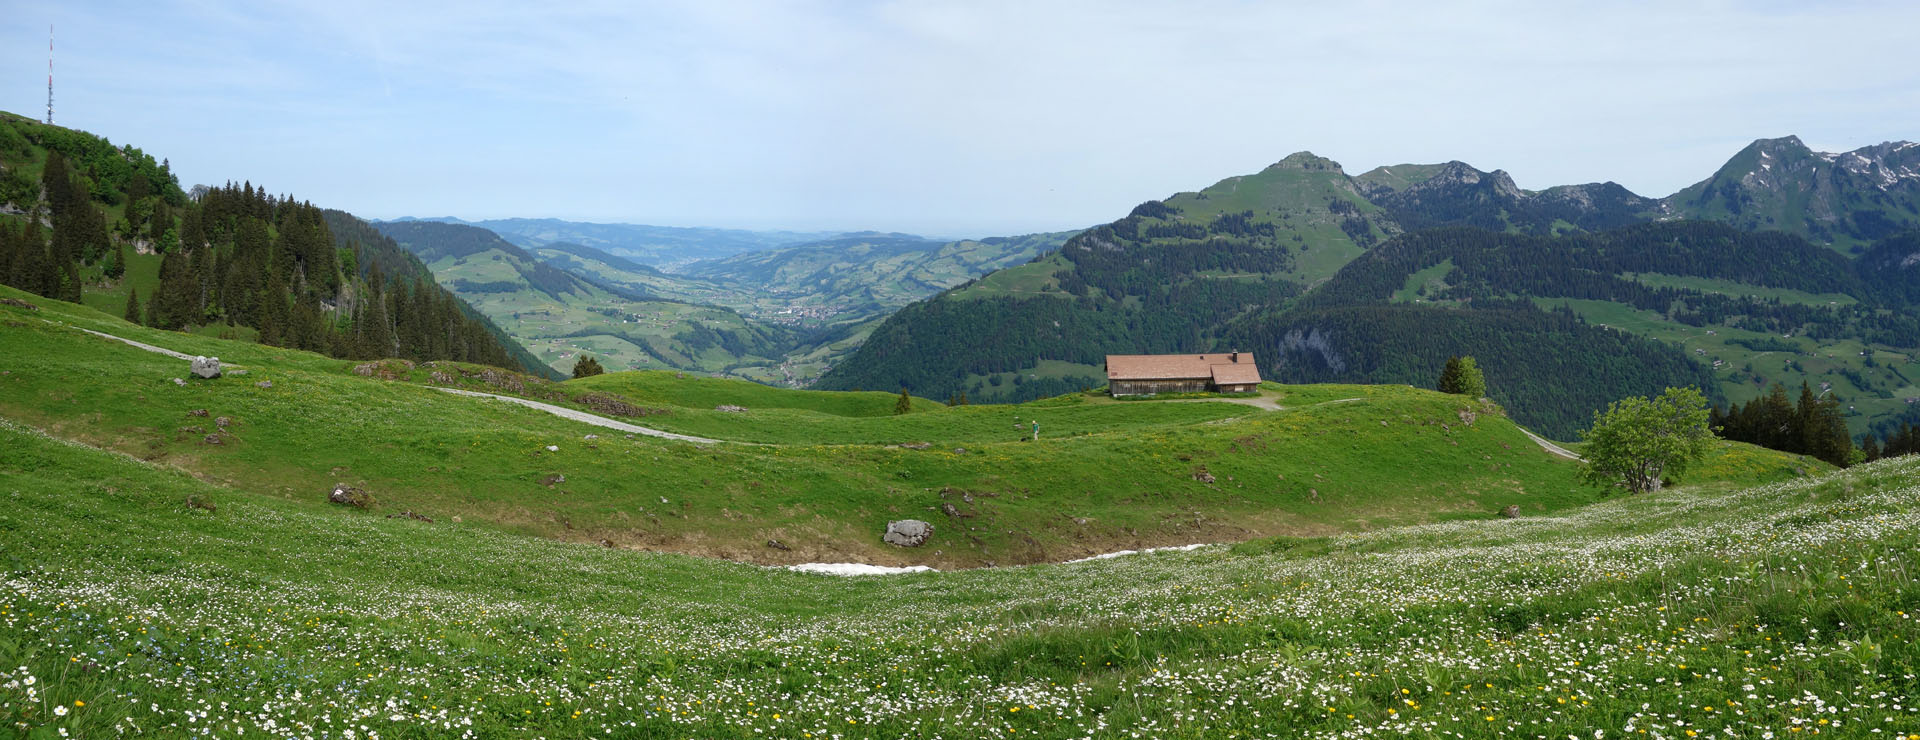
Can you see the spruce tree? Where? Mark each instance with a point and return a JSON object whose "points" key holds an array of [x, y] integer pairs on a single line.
{"points": [[587, 367], [904, 404], [1462, 376], [132, 314]]}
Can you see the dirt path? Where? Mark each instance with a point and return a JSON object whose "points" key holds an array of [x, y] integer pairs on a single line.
{"points": [[1259, 402], [583, 417], [1548, 446], [147, 347]]}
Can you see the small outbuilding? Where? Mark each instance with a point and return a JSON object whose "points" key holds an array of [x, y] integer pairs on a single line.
{"points": [[1223, 372]]}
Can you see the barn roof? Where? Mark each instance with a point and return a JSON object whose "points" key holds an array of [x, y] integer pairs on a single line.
{"points": [[1236, 374], [1220, 367]]}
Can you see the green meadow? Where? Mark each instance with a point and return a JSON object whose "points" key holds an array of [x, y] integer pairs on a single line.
{"points": [[142, 599]]}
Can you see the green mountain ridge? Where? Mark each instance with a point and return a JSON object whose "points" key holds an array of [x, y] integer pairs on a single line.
{"points": [[1219, 267]]}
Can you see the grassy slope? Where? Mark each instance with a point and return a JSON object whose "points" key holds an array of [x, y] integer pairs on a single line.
{"points": [[1100, 479], [1773, 610], [1294, 195]]}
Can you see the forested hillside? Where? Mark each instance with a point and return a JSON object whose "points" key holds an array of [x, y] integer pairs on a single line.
{"points": [[1550, 369], [110, 226], [1731, 297]]}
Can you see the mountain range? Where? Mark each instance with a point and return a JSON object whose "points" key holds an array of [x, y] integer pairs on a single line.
{"points": [[1262, 261]]}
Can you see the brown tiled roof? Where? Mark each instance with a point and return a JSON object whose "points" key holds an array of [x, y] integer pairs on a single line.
{"points": [[1182, 367], [1243, 372]]}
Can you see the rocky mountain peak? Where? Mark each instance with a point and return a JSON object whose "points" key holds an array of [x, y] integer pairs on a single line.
{"points": [[1458, 175]]}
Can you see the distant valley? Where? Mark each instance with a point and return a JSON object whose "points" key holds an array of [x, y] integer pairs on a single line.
{"points": [[780, 315]]}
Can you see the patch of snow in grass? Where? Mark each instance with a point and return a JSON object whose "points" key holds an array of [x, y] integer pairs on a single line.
{"points": [[856, 569], [1180, 548]]}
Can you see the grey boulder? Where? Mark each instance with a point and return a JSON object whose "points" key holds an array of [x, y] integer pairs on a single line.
{"points": [[907, 533], [206, 367]]}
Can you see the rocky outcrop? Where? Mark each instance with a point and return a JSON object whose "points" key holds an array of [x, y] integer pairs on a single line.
{"points": [[907, 533], [346, 495], [206, 367]]}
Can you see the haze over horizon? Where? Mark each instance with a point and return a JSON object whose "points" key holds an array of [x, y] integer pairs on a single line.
{"points": [[941, 118]]}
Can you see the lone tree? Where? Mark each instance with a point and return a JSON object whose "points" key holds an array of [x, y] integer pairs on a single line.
{"points": [[904, 405], [586, 366], [133, 306], [1462, 376], [1638, 441]]}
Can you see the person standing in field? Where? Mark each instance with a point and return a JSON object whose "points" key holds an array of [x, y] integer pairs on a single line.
{"points": [[1036, 430]]}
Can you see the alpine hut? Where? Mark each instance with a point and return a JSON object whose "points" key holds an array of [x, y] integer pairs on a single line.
{"points": [[1223, 372]]}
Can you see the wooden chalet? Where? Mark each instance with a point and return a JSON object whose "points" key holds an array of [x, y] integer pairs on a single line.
{"points": [[1224, 372]]}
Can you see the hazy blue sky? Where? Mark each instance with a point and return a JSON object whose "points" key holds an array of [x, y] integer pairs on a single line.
{"points": [[959, 118]]}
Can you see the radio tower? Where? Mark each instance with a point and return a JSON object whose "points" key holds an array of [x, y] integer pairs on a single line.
{"points": [[49, 74]]}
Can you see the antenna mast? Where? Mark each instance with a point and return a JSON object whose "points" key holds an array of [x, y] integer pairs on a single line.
{"points": [[49, 74]]}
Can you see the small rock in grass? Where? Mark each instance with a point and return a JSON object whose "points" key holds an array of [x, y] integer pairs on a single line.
{"points": [[553, 480], [778, 545], [346, 495], [179, 381], [197, 412], [907, 533], [263, 384], [206, 367], [212, 439], [949, 509], [730, 408], [591, 437], [1511, 512], [223, 422], [553, 448]]}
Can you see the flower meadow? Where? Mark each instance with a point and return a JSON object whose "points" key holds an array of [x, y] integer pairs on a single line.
{"points": [[1788, 610]]}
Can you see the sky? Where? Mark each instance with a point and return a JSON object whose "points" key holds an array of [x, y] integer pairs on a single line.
{"points": [[946, 118]]}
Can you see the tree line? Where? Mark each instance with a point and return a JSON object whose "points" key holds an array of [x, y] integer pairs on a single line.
{"points": [[1814, 425], [231, 255]]}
